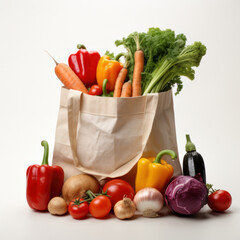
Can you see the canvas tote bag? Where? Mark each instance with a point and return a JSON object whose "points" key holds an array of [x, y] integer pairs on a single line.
{"points": [[106, 136]]}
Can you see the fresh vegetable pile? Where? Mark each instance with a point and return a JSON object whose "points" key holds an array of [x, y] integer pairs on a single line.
{"points": [[153, 62], [82, 195]]}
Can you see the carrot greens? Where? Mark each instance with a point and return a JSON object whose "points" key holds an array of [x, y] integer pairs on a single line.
{"points": [[166, 59]]}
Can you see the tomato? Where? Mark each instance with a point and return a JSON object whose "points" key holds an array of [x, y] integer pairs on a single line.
{"points": [[117, 189], [219, 201], [78, 209], [100, 206], [95, 90]]}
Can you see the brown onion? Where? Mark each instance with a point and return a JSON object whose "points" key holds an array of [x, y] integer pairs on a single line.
{"points": [[77, 185], [124, 209]]}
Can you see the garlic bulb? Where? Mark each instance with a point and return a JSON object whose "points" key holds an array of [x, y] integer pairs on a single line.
{"points": [[124, 209], [149, 201]]}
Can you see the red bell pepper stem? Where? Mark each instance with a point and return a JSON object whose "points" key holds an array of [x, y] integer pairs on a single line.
{"points": [[81, 46], [45, 154]]}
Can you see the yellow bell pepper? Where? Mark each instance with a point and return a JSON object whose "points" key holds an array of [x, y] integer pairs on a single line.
{"points": [[154, 172], [108, 68]]}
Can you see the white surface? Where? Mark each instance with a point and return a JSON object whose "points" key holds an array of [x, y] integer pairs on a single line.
{"points": [[207, 108]]}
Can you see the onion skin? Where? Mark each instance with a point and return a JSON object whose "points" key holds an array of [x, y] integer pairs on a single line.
{"points": [[124, 209], [149, 201]]}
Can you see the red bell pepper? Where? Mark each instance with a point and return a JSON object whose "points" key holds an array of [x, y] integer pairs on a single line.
{"points": [[43, 182], [84, 64]]}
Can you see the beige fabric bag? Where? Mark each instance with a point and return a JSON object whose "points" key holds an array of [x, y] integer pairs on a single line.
{"points": [[105, 136]]}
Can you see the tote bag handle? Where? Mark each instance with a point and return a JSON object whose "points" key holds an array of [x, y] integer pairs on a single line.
{"points": [[74, 103]]}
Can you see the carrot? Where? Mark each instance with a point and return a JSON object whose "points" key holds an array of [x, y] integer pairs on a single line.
{"points": [[119, 82], [126, 89], [68, 77], [137, 77], [138, 68]]}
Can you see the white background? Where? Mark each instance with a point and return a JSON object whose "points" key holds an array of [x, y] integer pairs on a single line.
{"points": [[207, 108]]}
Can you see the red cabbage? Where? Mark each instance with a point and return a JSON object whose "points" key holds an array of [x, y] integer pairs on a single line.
{"points": [[186, 195]]}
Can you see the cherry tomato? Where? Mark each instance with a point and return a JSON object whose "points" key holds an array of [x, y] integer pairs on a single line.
{"points": [[117, 189], [219, 201], [95, 90], [78, 209], [100, 206]]}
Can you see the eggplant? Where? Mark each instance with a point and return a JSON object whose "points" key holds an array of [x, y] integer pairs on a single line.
{"points": [[193, 162]]}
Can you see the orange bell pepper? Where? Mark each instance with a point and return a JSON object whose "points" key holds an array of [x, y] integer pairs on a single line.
{"points": [[108, 68]]}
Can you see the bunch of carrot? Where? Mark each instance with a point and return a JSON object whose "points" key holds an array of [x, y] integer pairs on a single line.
{"points": [[128, 89]]}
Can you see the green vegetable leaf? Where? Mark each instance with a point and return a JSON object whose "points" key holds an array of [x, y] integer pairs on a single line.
{"points": [[110, 54], [166, 58]]}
